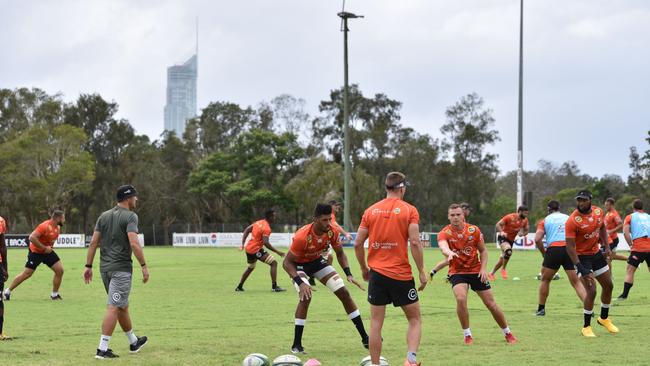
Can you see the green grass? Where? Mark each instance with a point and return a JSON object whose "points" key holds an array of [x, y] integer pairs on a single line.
{"points": [[193, 317]]}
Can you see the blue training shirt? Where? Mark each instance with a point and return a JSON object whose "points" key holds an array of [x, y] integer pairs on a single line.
{"points": [[554, 227]]}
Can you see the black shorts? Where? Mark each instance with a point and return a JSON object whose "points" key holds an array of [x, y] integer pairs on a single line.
{"points": [[596, 263], [637, 258], [312, 268], [251, 258], [383, 290], [502, 239], [613, 244], [472, 279], [35, 259], [556, 257]]}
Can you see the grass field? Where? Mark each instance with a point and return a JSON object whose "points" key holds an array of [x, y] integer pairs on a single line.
{"points": [[193, 317]]}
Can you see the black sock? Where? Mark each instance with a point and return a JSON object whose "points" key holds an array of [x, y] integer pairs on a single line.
{"points": [[274, 285], [588, 319], [540, 307], [297, 335], [241, 285], [626, 289], [604, 312], [359, 324], [2, 320]]}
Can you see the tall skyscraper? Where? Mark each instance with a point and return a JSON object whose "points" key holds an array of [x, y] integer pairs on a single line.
{"points": [[181, 94]]}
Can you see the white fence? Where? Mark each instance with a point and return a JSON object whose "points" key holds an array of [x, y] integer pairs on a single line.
{"points": [[528, 243]]}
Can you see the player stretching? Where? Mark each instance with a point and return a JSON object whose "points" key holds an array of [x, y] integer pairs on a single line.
{"points": [[613, 224], [463, 245], [41, 242], [467, 210], [254, 250], [554, 254], [583, 230], [389, 225], [305, 259], [637, 233], [3, 274], [507, 229]]}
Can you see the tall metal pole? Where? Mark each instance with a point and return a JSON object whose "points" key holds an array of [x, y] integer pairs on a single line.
{"points": [[520, 138], [346, 133]]}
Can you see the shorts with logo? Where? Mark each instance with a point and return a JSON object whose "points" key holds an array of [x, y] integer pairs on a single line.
{"points": [[317, 268], [251, 258], [502, 239], [595, 263], [556, 257], [383, 290], [472, 279], [118, 287], [636, 258], [35, 259]]}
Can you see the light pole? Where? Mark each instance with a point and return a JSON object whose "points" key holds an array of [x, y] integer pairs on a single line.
{"points": [[520, 137], [346, 117]]}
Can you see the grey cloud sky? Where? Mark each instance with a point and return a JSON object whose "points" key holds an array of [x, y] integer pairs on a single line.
{"points": [[587, 80]]}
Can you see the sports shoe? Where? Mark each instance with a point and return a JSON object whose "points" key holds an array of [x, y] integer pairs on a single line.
{"points": [[504, 274], [607, 323], [4, 337], [298, 350], [57, 297], [105, 354], [278, 289], [540, 312], [365, 341], [137, 346], [588, 332], [621, 298], [431, 274], [409, 363], [491, 277], [556, 277], [510, 338], [7, 295], [239, 289], [469, 340]]}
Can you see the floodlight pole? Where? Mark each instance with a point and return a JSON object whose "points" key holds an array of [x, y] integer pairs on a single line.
{"points": [[520, 138], [346, 121]]}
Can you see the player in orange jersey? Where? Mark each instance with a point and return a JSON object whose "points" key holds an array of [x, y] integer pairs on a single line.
{"points": [[636, 229], [467, 210], [261, 231], [336, 208], [3, 274], [613, 224], [508, 228], [583, 230], [41, 242], [462, 244], [389, 225], [305, 259]]}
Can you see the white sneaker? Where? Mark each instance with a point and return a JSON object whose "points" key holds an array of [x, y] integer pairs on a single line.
{"points": [[6, 294]]}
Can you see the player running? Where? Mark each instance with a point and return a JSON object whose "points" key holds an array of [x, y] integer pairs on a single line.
{"points": [[613, 224], [507, 230], [583, 230], [636, 230], [305, 259], [463, 245], [41, 241], [389, 225], [467, 210], [554, 254], [3, 274], [261, 231]]}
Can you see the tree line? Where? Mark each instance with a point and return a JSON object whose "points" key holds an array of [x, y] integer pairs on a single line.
{"points": [[233, 162]]}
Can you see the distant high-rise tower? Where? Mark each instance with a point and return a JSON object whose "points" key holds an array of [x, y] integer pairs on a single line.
{"points": [[181, 93]]}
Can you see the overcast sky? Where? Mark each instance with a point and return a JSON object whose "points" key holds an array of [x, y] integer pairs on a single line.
{"points": [[586, 73]]}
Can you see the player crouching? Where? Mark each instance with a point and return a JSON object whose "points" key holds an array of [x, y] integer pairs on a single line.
{"points": [[305, 260]]}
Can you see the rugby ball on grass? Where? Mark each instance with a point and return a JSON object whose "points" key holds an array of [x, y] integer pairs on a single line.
{"points": [[367, 362], [287, 360], [256, 359]]}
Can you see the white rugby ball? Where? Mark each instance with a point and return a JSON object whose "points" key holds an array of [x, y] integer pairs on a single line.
{"points": [[256, 359], [287, 360], [367, 362]]}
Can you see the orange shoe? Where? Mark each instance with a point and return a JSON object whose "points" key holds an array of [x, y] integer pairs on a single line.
{"points": [[469, 340], [491, 277], [408, 363], [510, 338], [504, 274]]}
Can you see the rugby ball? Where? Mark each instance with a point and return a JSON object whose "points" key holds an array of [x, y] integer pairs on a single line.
{"points": [[256, 359], [367, 362], [287, 360]]}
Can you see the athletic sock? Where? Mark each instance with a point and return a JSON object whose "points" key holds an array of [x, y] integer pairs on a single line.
{"points": [[587, 314], [604, 311], [541, 307], [626, 289], [411, 357], [2, 320], [355, 316], [433, 271], [297, 333], [131, 336], [505, 330], [103, 342], [274, 285], [467, 332], [54, 294]]}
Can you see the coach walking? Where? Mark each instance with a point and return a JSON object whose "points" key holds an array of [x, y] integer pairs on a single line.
{"points": [[116, 234]]}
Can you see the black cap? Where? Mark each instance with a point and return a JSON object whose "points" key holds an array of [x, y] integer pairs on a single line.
{"points": [[125, 191], [584, 194]]}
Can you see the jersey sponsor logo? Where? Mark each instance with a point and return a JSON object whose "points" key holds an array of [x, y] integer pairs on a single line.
{"points": [[448, 232], [397, 210], [412, 294], [467, 250], [377, 245], [578, 219], [470, 238], [377, 211], [471, 229], [597, 212], [592, 235], [330, 233]]}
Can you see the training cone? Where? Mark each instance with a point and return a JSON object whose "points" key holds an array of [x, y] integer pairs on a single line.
{"points": [[312, 362]]}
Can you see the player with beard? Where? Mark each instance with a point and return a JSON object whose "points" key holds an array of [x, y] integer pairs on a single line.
{"points": [[613, 224], [508, 228], [554, 254], [305, 259], [467, 210], [636, 229], [41, 241], [583, 230]]}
